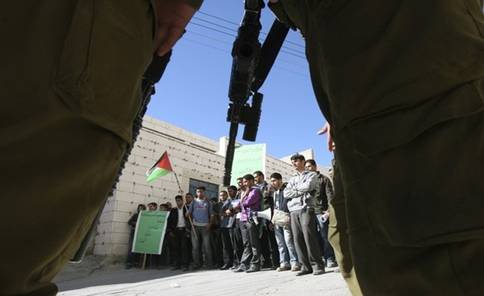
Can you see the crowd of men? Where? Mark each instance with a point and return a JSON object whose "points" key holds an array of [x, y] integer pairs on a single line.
{"points": [[234, 231]]}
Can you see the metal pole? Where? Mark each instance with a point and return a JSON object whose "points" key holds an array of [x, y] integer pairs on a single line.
{"points": [[189, 216]]}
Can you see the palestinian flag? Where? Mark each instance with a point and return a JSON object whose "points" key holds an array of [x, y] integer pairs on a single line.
{"points": [[161, 168]]}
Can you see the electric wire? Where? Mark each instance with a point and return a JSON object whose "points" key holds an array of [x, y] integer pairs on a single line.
{"points": [[235, 31], [203, 44], [283, 49], [283, 60], [237, 24]]}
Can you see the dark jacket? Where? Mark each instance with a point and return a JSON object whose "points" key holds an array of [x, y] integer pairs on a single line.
{"points": [[280, 203], [325, 193], [226, 221], [133, 220], [173, 219]]}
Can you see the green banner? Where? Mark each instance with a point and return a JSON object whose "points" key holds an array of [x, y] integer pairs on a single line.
{"points": [[247, 159], [150, 231]]}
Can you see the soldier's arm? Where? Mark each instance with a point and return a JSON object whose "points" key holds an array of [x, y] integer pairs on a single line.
{"points": [[172, 18]]}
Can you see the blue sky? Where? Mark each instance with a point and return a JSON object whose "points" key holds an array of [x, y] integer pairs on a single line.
{"points": [[193, 91]]}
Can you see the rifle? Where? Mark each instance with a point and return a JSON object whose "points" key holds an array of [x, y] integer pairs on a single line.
{"points": [[151, 76], [251, 64]]}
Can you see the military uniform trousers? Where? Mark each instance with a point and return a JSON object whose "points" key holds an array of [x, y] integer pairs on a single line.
{"points": [[403, 92], [412, 211], [70, 90]]}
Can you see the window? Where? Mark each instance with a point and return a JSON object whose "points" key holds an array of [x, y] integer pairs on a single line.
{"points": [[211, 189]]}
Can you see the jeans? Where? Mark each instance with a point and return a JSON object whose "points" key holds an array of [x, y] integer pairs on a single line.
{"points": [[201, 235], [328, 252], [285, 244]]}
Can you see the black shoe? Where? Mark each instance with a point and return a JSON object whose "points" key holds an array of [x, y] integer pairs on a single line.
{"points": [[304, 272], [185, 269], [225, 267], [241, 268], [253, 268], [195, 267], [266, 265], [318, 271], [175, 267]]}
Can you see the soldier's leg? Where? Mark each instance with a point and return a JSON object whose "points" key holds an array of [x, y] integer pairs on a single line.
{"points": [[54, 195], [409, 225], [58, 163], [328, 249], [443, 269], [338, 235]]}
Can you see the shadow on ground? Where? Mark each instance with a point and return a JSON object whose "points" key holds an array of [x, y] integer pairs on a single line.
{"points": [[95, 271]]}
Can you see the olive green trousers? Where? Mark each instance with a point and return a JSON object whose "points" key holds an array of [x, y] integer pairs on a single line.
{"points": [[70, 90], [413, 212], [338, 236]]}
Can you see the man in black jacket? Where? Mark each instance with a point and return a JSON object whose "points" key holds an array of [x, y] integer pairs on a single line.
{"points": [[178, 233], [133, 258], [322, 214]]}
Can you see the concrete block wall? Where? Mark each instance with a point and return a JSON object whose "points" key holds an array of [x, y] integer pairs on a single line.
{"points": [[274, 165]]}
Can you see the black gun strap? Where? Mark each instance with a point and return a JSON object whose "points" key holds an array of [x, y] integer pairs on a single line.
{"points": [[269, 51]]}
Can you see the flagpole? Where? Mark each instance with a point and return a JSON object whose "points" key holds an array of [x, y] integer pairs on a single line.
{"points": [[185, 205], [178, 182]]}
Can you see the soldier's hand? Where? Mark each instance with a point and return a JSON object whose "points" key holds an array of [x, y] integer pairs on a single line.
{"points": [[329, 139], [172, 18]]}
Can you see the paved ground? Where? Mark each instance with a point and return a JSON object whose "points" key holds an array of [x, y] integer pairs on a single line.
{"points": [[94, 278]]}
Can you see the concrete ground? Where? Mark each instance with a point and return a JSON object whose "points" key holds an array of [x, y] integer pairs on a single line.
{"points": [[94, 277]]}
